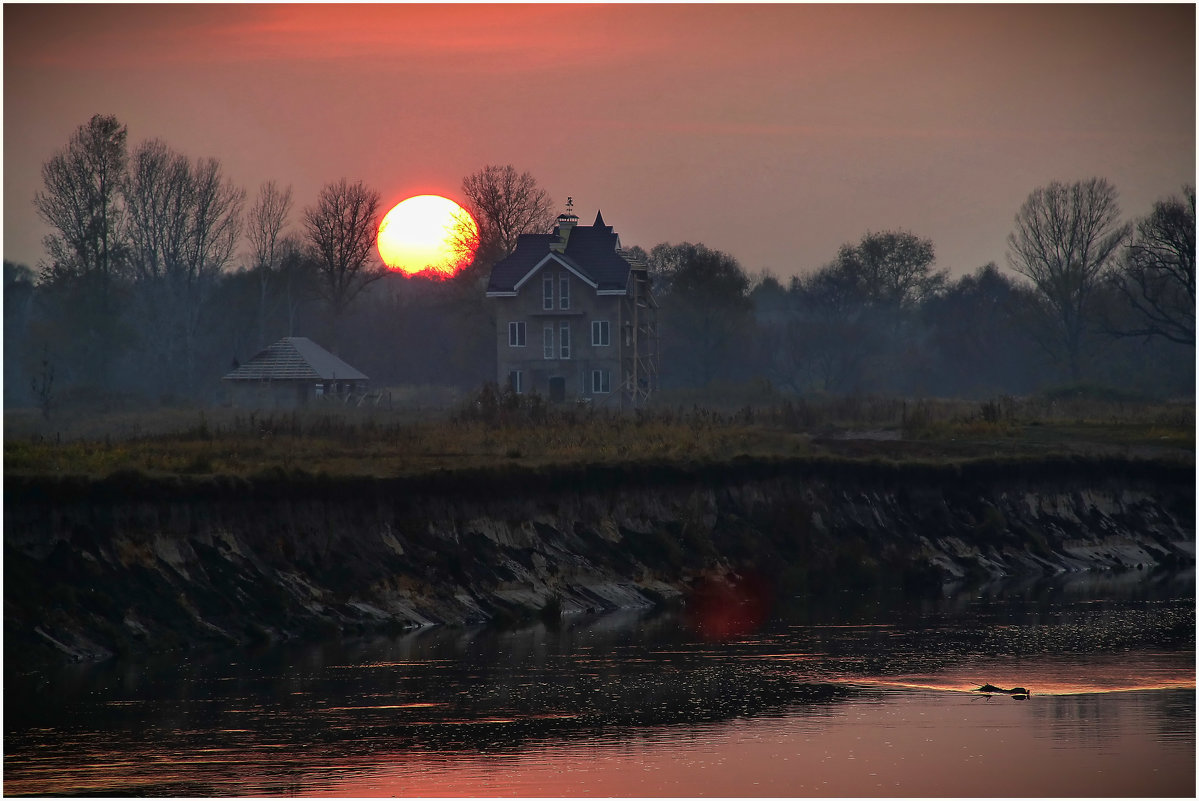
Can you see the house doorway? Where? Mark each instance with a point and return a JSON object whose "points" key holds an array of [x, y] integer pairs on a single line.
{"points": [[557, 389]]}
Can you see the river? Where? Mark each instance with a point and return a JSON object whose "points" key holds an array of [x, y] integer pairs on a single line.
{"points": [[860, 694]]}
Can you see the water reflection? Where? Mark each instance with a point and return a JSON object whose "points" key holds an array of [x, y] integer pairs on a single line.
{"points": [[864, 695]]}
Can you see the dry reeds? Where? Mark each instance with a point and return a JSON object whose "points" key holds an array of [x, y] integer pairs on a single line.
{"points": [[494, 430]]}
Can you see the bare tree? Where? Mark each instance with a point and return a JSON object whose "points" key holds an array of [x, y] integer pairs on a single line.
{"points": [[82, 202], [1064, 237], [342, 228], [298, 273], [505, 204], [265, 223], [1157, 274], [185, 220]]}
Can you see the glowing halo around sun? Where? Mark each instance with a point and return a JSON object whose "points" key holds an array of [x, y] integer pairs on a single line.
{"points": [[428, 234]]}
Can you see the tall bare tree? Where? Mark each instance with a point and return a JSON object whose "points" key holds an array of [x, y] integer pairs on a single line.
{"points": [[505, 204], [342, 227], [1065, 235], [83, 203], [265, 223], [1157, 274], [185, 220]]}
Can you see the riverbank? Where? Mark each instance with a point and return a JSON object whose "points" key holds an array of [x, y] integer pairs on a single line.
{"points": [[130, 563]]}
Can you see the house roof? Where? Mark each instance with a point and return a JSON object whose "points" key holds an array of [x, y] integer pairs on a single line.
{"points": [[592, 251], [294, 359]]}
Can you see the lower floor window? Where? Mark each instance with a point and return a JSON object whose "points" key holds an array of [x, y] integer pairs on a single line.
{"points": [[601, 381], [516, 380]]}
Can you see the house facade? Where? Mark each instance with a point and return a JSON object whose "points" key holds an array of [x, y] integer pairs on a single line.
{"points": [[293, 372], [576, 318]]}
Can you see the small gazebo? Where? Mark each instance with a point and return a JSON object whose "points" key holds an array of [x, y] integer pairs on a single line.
{"points": [[292, 372]]}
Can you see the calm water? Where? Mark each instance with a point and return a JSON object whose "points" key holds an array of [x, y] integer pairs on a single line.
{"points": [[856, 696]]}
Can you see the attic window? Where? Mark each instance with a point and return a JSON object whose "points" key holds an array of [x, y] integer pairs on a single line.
{"points": [[564, 291], [547, 287]]}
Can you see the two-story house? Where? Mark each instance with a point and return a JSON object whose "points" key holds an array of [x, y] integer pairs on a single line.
{"points": [[575, 317]]}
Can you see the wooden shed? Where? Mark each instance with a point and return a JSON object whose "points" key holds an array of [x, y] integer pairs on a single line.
{"points": [[293, 372]]}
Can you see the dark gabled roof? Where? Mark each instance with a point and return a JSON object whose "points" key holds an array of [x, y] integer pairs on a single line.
{"points": [[295, 359], [530, 249], [591, 251]]}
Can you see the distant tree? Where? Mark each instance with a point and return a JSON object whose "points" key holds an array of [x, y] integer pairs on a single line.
{"points": [[1156, 275], [299, 275], [18, 307], [892, 268], [853, 325], [770, 299], [42, 385], [265, 224], [706, 312], [982, 343], [1064, 237], [831, 334], [185, 221], [342, 228], [505, 204]]}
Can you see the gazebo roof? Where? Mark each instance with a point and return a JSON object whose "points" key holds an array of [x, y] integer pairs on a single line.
{"points": [[294, 359]]}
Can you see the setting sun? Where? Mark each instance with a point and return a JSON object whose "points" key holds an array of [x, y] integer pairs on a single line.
{"points": [[428, 233]]}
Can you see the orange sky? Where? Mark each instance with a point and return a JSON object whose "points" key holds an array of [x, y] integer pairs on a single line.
{"points": [[773, 132]]}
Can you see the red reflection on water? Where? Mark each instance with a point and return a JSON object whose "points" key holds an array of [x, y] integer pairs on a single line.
{"points": [[724, 610], [912, 744], [1050, 677]]}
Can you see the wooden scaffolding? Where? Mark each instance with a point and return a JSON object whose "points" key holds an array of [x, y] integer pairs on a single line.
{"points": [[639, 346]]}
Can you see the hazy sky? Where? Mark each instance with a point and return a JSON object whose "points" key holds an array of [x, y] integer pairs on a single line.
{"points": [[773, 132]]}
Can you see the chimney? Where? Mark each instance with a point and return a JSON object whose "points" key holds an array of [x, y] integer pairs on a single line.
{"points": [[566, 223]]}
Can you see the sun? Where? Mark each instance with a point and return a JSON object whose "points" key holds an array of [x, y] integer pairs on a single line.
{"points": [[428, 234]]}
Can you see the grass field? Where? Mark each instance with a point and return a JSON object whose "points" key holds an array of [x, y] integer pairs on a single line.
{"points": [[493, 430]]}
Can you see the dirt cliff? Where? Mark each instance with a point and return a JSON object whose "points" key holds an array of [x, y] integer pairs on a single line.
{"points": [[129, 563]]}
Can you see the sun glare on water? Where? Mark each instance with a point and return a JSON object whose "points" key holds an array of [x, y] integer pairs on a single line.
{"points": [[428, 234]]}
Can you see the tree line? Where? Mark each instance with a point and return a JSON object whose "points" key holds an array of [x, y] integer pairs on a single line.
{"points": [[157, 276], [1089, 300]]}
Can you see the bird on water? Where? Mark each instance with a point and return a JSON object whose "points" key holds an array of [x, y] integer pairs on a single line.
{"points": [[991, 688]]}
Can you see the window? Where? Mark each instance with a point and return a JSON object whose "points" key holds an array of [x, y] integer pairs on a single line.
{"points": [[516, 334], [547, 290], [547, 340], [564, 292], [564, 340], [600, 333], [601, 382], [516, 380]]}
